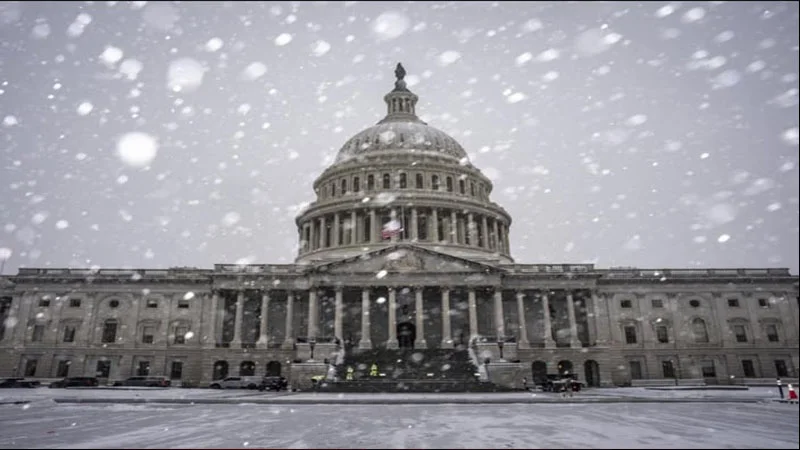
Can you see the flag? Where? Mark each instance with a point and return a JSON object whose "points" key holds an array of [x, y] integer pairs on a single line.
{"points": [[391, 228]]}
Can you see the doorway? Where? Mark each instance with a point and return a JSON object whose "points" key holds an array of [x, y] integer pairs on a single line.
{"points": [[406, 335]]}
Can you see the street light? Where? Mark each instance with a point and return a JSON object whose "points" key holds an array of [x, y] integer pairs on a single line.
{"points": [[500, 344], [311, 344]]}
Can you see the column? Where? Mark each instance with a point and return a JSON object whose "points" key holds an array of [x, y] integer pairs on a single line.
{"points": [[462, 232], [366, 341], [548, 326], [212, 332], [336, 225], [420, 341], [602, 334], [392, 342], [393, 215], [506, 242], [447, 338], [237, 324], [485, 231], [574, 342], [322, 232], [435, 224], [473, 314], [453, 227], [262, 338], [499, 322], [523, 327], [313, 314], [288, 343], [471, 230], [373, 223], [337, 315], [494, 237], [312, 239], [414, 225], [353, 228]]}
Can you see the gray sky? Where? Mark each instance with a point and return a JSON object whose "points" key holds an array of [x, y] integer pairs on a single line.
{"points": [[623, 134]]}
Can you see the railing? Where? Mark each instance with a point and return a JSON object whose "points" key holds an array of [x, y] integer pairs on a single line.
{"points": [[259, 268], [114, 272], [550, 268], [687, 273]]}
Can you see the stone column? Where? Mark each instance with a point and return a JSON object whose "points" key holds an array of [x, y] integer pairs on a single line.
{"points": [[495, 241], [602, 333], [392, 342], [336, 225], [212, 332], [473, 313], [313, 313], [447, 338], [322, 232], [453, 227], [337, 315], [499, 320], [506, 242], [313, 240], [237, 324], [435, 224], [485, 231], [393, 215], [366, 340], [414, 225], [471, 230], [548, 326], [420, 341], [523, 327], [353, 228], [373, 223], [288, 343], [574, 342], [262, 338]]}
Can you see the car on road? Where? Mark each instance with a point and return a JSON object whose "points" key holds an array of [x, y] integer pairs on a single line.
{"points": [[273, 383], [19, 383], [76, 382], [555, 383], [245, 382], [144, 381]]}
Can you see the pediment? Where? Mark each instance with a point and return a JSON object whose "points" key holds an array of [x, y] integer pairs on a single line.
{"points": [[405, 258]]}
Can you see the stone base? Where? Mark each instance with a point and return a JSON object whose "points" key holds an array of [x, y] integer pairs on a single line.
{"points": [[301, 373], [507, 375]]}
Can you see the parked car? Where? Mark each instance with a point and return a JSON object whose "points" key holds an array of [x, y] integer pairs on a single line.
{"points": [[554, 383], [19, 383], [76, 382], [273, 383], [246, 382], [145, 382]]}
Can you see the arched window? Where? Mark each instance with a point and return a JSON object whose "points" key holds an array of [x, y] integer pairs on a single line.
{"points": [[435, 182], [403, 181], [356, 184], [220, 370], [109, 331], [449, 182], [344, 187], [462, 186], [472, 188], [370, 182], [387, 181], [247, 369], [333, 189], [700, 330], [420, 181]]}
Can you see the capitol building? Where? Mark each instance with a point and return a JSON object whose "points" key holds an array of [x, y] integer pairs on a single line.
{"points": [[402, 250]]}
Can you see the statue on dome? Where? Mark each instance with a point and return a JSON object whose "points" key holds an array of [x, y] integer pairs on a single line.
{"points": [[400, 73]]}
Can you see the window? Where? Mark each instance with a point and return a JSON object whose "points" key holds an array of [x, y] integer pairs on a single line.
{"points": [[462, 186], [356, 184], [30, 367], [625, 304], [183, 304], [763, 303], [176, 370], [662, 333], [333, 189], [387, 181], [630, 334], [38, 333], [74, 303], [44, 302], [733, 303], [344, 187], [109, 331], [636, 370], [657, 303], [152, 303], [772, 332], [668, 369], [435, 182], [422, 228], [694, 303], [144, 369], [62, 371], [113, 303], [420, 181], [740, 332], [709, 371], [403, 181], [748, 368], [780, 368], [449, 183], [69, 333], [180, 334], [148, 333], [700, 331], [370, 182], [103, 369]]}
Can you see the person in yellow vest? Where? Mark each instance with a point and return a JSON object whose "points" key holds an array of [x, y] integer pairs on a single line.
{"points": [[349, 376], [373, 371]]}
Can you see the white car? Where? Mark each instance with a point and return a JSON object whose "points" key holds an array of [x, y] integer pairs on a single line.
{"points": [[246, 382]]}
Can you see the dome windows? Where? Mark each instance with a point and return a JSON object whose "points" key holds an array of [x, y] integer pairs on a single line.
{"points": [[435, 182], [403, 181]]}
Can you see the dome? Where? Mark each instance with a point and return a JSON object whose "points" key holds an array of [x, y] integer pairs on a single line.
{"points": [[412, 135]]}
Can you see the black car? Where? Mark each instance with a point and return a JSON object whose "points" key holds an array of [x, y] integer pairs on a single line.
{"points": [[273, 384], [19, 383], [76, 382], [556, 383]]}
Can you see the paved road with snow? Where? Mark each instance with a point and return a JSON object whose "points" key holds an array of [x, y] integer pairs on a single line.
{"points": [[45, 424]]}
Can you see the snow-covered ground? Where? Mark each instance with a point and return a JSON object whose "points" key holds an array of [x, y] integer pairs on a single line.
{"points": [[45, 424]]}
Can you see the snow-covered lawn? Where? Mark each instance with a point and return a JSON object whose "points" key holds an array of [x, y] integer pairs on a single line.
{"points": [[44, 424]]}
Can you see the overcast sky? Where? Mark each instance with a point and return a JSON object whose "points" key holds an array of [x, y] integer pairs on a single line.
{"points": [[154, 135]]}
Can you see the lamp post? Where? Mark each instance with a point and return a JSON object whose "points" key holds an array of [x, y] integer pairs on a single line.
{"points": [[311, 344], [500, 344]]}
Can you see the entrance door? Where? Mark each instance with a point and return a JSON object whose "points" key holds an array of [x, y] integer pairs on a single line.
{"points": [[406, 334]]}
